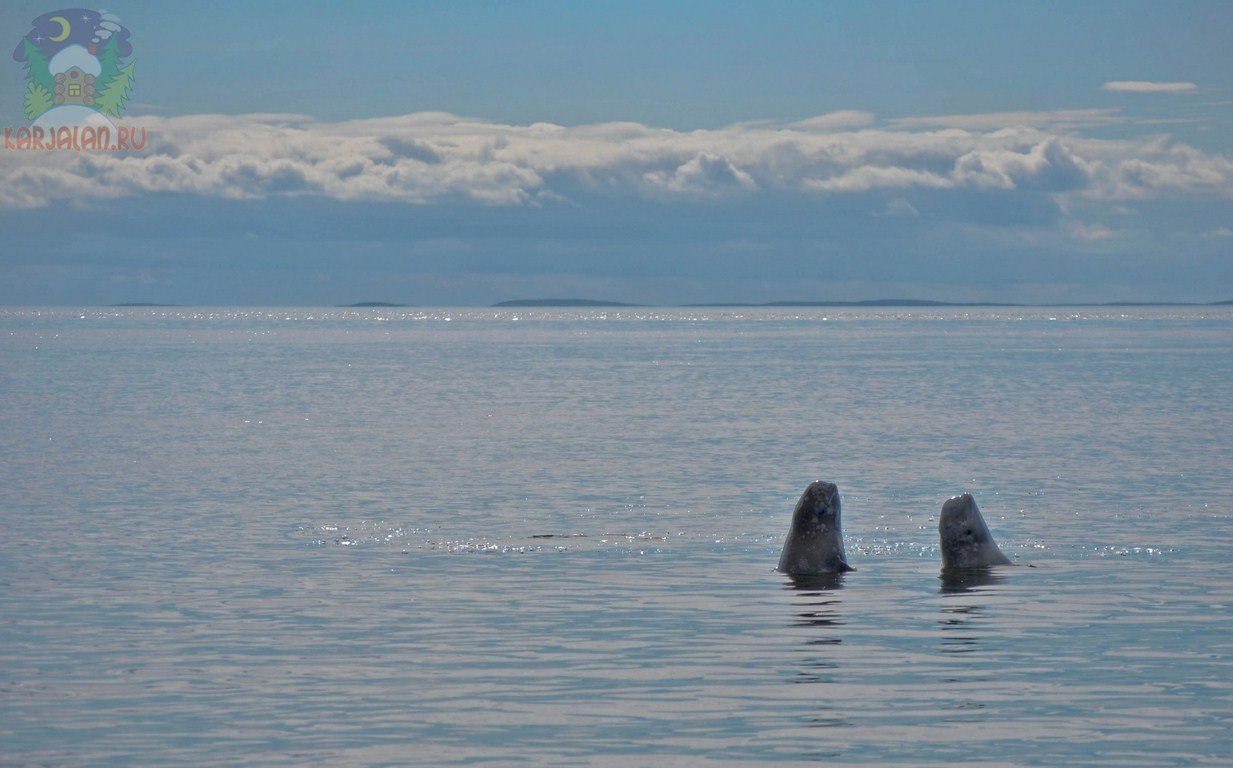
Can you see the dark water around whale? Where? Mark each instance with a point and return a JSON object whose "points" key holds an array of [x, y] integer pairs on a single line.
{"points": [[477, 537]]}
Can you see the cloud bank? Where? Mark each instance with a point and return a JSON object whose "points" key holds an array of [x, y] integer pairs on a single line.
{"points": [[1144, 86], [431, 157]]}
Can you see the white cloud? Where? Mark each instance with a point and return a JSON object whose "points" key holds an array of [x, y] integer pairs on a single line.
{"points": [[1055, 120], [1154, 167], [869, 177], [835, 121], [1090, 232], [704, 174], [1144, 86], [1049, 165], [900, 208], [432, 157]]}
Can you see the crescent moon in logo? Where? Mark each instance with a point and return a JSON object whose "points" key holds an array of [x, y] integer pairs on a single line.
{"points": [[64, 28]]}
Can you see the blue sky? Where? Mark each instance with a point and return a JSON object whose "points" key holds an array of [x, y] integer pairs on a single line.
{"points": [[468, 153]]}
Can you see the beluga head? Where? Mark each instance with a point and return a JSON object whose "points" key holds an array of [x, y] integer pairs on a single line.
{"points": [[965, 538], [815, 540]]}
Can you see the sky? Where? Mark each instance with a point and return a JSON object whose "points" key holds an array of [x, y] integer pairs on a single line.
{"points": [[466, 153]]}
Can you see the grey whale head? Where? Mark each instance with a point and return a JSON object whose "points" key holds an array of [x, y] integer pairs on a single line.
{"points": [[815, 539], [965, 538]]}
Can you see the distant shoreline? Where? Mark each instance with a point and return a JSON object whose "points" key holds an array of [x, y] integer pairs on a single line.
{"points": [[562, 303], [520, 303], [551, 303]]}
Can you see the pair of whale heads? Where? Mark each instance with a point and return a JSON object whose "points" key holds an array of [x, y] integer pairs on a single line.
{"points": [[815, 540]]}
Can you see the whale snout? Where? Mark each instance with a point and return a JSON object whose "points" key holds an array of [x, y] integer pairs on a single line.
{"points": [[815, 541], [965, 537], [822, 496]]}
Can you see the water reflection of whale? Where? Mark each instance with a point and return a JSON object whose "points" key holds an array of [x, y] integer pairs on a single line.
{"points": [[817, 603], [957, 622], [958, 580], [815, 582], [961, 615]]}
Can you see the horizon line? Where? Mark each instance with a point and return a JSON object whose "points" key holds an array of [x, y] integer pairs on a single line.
{"points": [[582, 303]]}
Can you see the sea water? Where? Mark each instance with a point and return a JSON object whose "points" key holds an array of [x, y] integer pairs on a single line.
{"points": [[296, 537]]}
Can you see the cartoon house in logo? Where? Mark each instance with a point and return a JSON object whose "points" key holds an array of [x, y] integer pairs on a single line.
{"points": [[74, 68], [74, 71]]}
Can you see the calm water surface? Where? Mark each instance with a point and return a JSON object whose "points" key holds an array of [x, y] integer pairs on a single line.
{"points": [[461, 537]]}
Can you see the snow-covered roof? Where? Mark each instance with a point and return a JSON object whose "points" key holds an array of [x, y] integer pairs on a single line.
{"points": [[74, 56]]}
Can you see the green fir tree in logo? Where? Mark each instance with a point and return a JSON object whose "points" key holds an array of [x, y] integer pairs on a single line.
{"points": [[38, 92], [38, 101], [116, 81], [75, 58]]}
